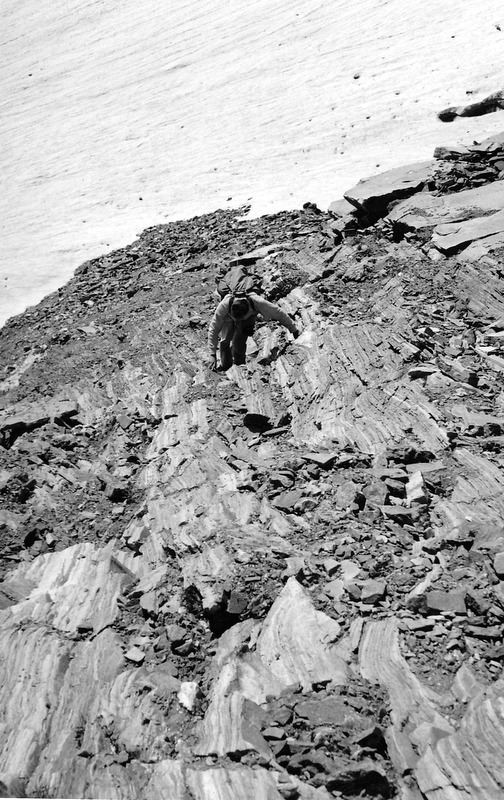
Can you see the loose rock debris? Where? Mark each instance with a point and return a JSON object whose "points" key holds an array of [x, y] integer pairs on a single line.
{"points": [[286, 581]]}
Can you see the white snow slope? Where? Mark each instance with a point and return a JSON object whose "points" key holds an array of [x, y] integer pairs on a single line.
{"points": [[121, 115]]}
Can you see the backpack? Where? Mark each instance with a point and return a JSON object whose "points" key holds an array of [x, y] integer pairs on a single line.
{"points": [[238, 282]]}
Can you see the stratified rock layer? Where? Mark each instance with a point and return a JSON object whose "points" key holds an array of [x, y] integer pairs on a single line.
{"points": [[283, 581]]}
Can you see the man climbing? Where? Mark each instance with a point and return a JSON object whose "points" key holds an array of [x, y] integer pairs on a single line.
{"points": [[234, 321]]}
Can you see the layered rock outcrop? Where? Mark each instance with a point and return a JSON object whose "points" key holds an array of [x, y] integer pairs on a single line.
{"points": [[285, 581]]}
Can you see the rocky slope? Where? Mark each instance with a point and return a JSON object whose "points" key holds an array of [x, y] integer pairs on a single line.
{"points": [[282, 581]]}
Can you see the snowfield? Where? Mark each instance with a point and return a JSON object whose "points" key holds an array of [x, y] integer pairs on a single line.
{"points": [[119, 116]]}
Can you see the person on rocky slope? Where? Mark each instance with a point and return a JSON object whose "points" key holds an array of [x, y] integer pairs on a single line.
{"points": [[234, 321]]}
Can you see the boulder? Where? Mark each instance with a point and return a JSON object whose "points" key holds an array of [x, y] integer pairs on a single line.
{"points": [[373, 195]]}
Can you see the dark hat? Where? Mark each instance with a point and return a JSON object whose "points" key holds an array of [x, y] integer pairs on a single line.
{"points": [[239, 307]]}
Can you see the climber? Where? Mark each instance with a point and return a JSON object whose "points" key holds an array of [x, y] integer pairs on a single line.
{"points": [[234, 321]]}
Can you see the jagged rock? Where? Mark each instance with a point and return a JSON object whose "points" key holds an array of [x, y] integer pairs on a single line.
{"points": [[290, 647], [149, 603], [295, 641], [399, 513], [373, 195]]}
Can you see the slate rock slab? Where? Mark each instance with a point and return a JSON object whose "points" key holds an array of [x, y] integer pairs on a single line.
{"points": [[426, 209], [373, 195], [452, 236]]}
